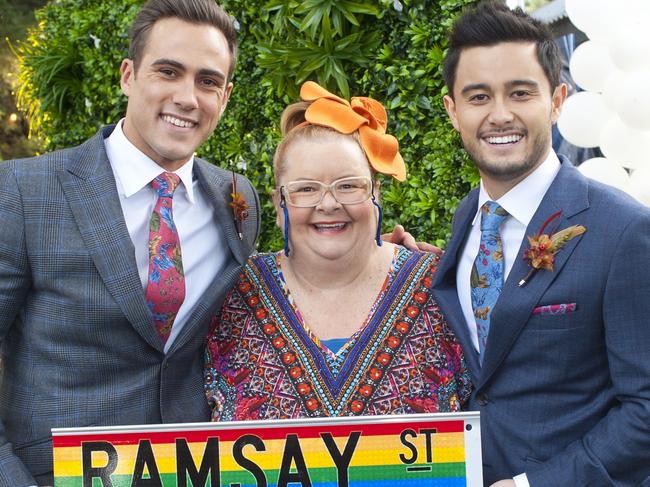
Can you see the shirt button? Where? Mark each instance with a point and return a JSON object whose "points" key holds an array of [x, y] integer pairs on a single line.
{"points": [[482, 399]]}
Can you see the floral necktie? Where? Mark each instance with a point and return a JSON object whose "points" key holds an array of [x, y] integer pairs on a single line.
{"points": [[486, 279], [166, 285]]}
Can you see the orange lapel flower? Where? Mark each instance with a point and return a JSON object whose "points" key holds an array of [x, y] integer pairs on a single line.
{"points": [[362, 114], [543, 246], [239, 206]]}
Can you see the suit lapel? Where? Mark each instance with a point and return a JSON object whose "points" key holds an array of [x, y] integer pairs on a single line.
{"points": [[89, 186], [444, 288], [568, 193], [217, 189]]}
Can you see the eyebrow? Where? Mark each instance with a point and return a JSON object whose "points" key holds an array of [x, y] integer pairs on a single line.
{"points": [[522, 82], [474, 87], [509, 84], [204, 71]]}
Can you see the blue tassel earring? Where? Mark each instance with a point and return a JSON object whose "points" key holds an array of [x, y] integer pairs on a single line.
{"points": [[381, 215], [283, 205]]}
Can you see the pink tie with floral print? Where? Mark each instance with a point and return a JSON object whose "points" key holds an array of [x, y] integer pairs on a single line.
{"points": [[166, 286]]}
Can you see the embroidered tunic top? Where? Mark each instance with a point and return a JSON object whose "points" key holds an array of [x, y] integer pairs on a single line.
{"points": [[262, 362]]}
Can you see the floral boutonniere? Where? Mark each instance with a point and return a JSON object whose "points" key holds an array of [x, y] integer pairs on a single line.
{"points": [[544, 246], [239, 206]]}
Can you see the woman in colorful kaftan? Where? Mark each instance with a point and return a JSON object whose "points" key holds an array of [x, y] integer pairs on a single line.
{"points": [[339, 323]]}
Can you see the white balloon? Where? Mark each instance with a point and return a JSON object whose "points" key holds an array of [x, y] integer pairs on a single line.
{"points": [[612, 89], [583, 117], [606, 171], [629, 43], [632, 8], [590, 16], [634, 102], [629, 146], [591, 65], [639, 186]]}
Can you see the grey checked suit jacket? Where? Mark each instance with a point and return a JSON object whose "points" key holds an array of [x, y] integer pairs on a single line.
{"points": [[78, 344], [566, 397]]}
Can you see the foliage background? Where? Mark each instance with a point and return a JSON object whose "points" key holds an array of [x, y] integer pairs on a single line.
{"points": [[15, 17], [388, 49]]}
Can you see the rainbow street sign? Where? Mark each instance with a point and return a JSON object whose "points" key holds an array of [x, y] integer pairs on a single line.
{"points": [[433, 450]]}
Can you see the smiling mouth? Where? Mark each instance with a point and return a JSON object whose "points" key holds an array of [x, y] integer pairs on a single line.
{"points": [[503, 139], [324, 227], [177, 122]]}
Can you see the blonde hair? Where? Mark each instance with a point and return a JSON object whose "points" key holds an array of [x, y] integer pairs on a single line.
{"points": [[290, 126]]}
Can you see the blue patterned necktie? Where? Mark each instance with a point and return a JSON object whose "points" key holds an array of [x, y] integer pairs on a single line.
{"points": [[486, 280]]}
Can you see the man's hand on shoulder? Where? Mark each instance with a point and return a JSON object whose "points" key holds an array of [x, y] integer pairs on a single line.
{"points": [[399, 236]]}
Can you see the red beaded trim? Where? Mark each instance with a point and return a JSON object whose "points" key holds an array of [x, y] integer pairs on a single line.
{"points": [[303, 387], [391, 344]]}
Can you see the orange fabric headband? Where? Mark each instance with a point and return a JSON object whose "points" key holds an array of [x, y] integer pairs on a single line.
{"points": [[365, 115]]}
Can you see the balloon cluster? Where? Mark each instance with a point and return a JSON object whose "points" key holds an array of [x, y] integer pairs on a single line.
{"points": [[613, 113]]}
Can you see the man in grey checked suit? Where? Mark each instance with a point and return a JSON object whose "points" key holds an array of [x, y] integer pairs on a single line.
{"points": [[78, 342], [563, 382]]}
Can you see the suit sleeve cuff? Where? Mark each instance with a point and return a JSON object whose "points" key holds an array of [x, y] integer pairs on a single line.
{"points": [[521, 480]]}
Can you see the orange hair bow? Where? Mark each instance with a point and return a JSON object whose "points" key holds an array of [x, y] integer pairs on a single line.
{"points": [[360, 113]]}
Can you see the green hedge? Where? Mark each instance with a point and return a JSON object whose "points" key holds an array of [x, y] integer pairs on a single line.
{"points": [[389, 49]]}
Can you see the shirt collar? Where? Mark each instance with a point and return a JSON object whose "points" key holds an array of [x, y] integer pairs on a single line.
{"points": [[135, 170], [522, 201]]}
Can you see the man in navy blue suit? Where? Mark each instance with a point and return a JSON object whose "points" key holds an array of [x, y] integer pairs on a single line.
{"points": [[562, 373]]}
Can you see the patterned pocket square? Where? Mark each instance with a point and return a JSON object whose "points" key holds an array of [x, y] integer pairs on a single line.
{"points": [[555, 309]]}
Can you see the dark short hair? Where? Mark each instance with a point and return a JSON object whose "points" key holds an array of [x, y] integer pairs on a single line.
{"points": [[192, 11], [491, 22]]}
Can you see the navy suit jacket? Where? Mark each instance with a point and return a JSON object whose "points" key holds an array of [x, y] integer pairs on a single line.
{"points": [[78, 343], [566, 397]]}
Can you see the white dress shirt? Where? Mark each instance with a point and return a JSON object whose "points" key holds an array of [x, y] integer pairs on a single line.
{"points": [[203, 246], [521, 202]]}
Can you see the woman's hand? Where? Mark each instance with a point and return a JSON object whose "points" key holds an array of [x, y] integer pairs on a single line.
{"points": [[504, 483]]}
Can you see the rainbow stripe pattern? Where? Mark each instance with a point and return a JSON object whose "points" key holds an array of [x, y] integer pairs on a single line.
{"points": [[325, 452]]}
